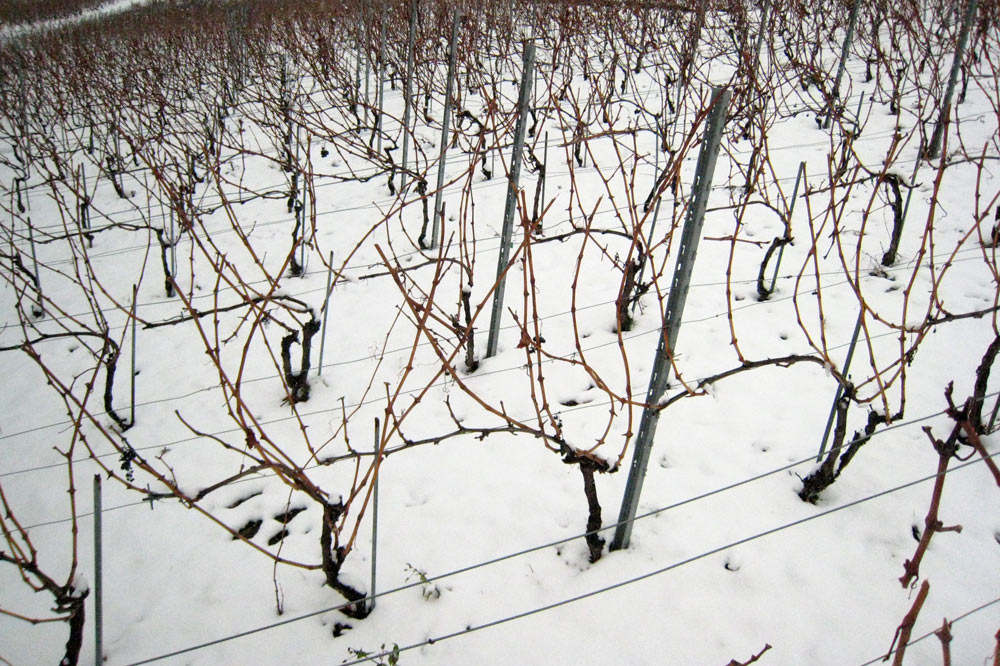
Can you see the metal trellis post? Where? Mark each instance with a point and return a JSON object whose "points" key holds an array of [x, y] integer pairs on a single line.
{"points": [[378, 462], [511, 205], [326, 311], [840, 387], [765, 14], [788, 221], [408, 97], [993, 416], [98, 576], [135, 295], [381, 82], [445, 125], [844, 51], [173, 250], [37, 310], [909, 193], [675, 308], [364, 35], [956, 65], [545, 168], [303, 200]]}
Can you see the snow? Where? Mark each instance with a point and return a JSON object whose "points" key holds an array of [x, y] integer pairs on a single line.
{"points": [[475, 530], [80, 586], [21, 30]]}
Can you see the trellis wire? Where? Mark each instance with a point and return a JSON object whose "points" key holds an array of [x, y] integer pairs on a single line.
{"points": [[894, 426], [674, 565]]}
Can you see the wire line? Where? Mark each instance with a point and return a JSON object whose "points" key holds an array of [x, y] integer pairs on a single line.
{"points": [[548, 607], [884, 657]]}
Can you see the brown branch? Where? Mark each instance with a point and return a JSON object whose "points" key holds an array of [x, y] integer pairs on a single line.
{"points": [[978, 314], [977, 444], [753, 659], [53, 336], [198, 314], [781, 362], [946, 451], [982, 380], [732, 239], [905, 627], [944, 635]]}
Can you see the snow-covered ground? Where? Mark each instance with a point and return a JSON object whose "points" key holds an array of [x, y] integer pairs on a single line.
{"points": [[22, 30], [480, 553]]}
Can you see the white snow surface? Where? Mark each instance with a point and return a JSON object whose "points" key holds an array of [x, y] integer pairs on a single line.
{"points": [[95, 13]]}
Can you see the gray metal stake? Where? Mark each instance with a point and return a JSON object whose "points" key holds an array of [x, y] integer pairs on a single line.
{"points": [[788, 220], [913, 186], [371, 593], [764, 16], [357, 66], [368, 59], [545, 168], [993, 417], [38, 310], [672, 321], [83, 206], [408, 97], [326, 310], [445, 125], [98, 577], [357, 74], [840, 387], [381, 82], [302, 228], [956, 65], [534, 87], [656, 150], [511, 205], [438, 225], [844, 52], [135, 293], [173, 246]]}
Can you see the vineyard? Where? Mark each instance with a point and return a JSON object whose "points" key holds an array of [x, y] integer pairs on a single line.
{"points": [[436, 332]]}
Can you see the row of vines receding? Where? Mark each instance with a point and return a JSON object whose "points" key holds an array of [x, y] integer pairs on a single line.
{"points": [[207, 182]]}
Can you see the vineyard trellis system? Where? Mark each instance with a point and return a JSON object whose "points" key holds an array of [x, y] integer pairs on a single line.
{"points": [[197, 184]]}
